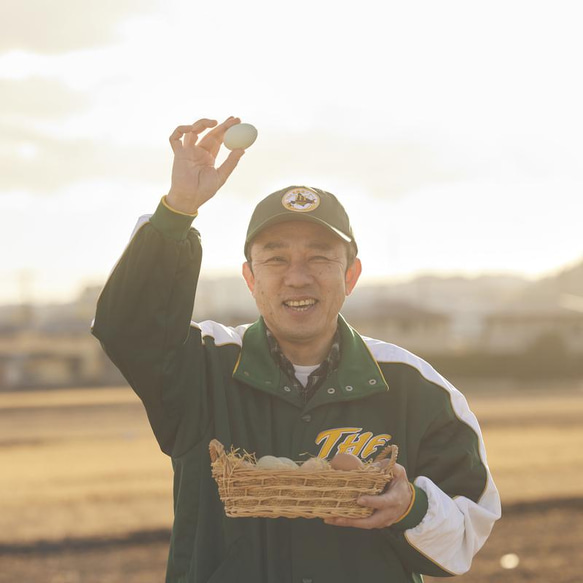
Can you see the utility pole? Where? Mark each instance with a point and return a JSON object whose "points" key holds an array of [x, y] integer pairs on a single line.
{"points": [[26, 310]]}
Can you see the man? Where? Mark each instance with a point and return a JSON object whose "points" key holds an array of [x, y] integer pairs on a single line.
{"points": [[298, 380]]}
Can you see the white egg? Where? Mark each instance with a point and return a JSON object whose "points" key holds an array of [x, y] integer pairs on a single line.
{"points": [[269, 462], [241, 135], [288, 463]]}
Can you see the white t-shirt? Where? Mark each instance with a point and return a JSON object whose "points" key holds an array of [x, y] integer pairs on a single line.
{"points": [[303, 372]]}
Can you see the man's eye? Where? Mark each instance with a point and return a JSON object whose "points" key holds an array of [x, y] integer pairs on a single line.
{"points": [[275, 259], [320, 258]]}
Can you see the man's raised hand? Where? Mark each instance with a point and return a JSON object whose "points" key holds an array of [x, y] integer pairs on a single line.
{"points": [[194, 176]]}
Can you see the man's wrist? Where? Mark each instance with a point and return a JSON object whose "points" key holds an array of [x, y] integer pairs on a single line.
{"points": [[177, 208], [411, 502], [179, 203], [416, 510], [171, 223]]}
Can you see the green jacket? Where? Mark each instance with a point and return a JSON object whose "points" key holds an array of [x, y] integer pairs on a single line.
{"points": [[204, 381]]}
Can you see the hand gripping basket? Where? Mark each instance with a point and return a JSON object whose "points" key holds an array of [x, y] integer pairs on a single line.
{"points": [[247, 491]]}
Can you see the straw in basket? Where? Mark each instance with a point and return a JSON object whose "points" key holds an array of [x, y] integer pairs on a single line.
{"points": [[247, 491]]}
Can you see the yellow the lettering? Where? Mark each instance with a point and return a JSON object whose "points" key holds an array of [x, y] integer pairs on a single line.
{"points": [[331, 436], [354, 443], [375, 443]]}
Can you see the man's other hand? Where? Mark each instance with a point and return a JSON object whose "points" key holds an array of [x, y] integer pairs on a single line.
{"points": [[389, 507]]}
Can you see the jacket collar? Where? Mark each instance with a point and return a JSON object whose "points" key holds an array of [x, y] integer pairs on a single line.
{"points": [[358, 375]]}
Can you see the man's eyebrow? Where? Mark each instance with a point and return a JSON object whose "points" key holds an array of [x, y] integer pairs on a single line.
{"points": [[318, 245], [271, 245]]}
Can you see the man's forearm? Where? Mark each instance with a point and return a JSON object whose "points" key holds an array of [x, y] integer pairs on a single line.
{"points": [[144, 312]]}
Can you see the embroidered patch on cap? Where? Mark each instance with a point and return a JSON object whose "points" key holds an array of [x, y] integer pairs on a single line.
{"points": [[300, 200]]}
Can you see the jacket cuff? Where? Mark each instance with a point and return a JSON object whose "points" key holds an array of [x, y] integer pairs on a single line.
{"points": [[415, 512], [171, 223]]}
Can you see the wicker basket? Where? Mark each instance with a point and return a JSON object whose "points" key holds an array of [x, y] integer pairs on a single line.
{"points": [[252, 492]]}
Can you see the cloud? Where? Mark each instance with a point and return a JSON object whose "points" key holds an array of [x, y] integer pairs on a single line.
{"points": [[33, 162], [43, 26], [328, 160], [39, 98]]}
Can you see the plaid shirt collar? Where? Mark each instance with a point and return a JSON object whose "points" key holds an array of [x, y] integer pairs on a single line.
{"points": [[317, 377]]}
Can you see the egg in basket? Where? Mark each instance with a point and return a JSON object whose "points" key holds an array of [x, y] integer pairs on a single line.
{"points": [[277, 487]]}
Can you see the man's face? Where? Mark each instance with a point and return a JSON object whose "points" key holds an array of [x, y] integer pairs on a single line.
{"points": [[299, 278]]}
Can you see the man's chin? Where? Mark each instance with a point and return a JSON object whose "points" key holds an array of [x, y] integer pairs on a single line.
{"points": [[294, 333]]}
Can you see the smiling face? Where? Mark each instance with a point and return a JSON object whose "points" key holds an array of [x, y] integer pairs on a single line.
{"points": [[299, 278]]}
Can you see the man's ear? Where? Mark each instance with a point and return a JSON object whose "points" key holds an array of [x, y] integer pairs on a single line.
{"points": [[352, 275], [248, 276]]}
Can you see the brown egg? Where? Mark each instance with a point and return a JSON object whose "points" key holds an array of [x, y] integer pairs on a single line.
{"points": [[346, 461]]}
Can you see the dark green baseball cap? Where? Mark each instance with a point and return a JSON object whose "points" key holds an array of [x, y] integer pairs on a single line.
{"points": [[300, 203]]}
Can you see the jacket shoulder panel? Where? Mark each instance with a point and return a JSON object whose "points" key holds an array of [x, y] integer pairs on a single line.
{"points": [[220, 333], [139, 224], [453, 530], [386, 353]]}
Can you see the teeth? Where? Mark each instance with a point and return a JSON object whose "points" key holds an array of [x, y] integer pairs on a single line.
{"points": [[300, 303]]}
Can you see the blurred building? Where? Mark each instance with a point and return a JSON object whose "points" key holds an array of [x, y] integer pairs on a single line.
{"points": [[559, 329], [33, 358], [414, 328], [51, 345]]}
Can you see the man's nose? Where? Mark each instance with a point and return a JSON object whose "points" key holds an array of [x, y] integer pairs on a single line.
{"points": [[298, 274]]}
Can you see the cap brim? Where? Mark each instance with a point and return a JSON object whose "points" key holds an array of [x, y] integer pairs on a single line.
{"points": [[288, 217]]}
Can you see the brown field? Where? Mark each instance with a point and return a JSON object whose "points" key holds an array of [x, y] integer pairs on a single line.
{"points": [[86, 494]]}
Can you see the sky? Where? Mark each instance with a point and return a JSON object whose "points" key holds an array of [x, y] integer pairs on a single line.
{"points": [[451, 131]]}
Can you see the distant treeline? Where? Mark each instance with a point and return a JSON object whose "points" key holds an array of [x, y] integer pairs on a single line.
{"points": [[528, 365]]}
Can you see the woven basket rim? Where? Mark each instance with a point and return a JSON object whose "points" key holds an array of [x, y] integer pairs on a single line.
{"points": [[233, 458]]}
